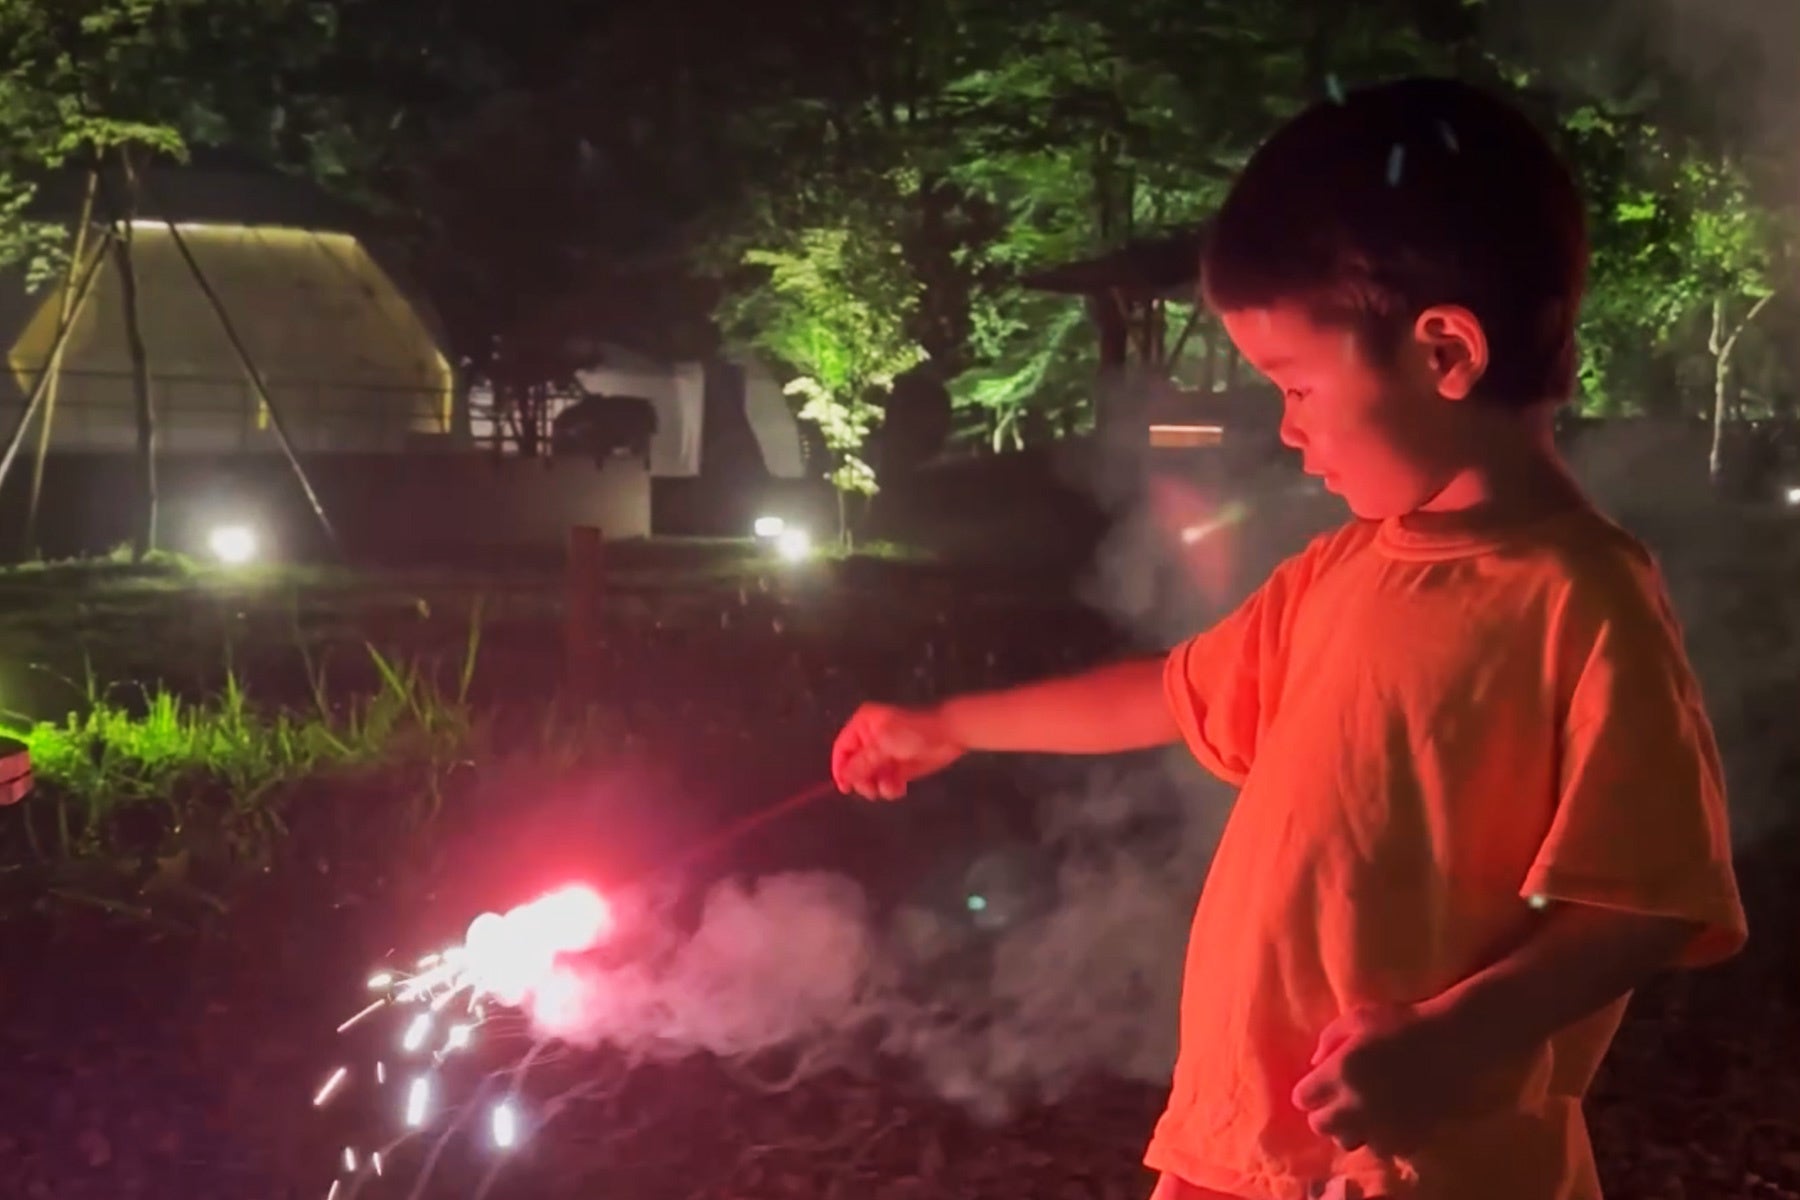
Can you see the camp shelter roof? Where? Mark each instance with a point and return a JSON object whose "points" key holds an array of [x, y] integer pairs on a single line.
{"points": [[1165, 266]]}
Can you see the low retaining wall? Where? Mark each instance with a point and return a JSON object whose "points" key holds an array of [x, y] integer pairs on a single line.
{"points": [[385, 507]]}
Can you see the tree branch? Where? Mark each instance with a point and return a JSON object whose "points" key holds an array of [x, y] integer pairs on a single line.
{"points": [[1755, 311]]}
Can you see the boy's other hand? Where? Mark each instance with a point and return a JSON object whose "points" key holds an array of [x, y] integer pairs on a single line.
{"points": [[882, 749], [1385, 1078]]}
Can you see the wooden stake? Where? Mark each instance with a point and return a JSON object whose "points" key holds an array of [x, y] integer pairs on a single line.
{"points": [[56, 360]]}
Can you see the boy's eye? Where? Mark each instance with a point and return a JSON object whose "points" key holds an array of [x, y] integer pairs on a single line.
{"points": [[1294, 395]]}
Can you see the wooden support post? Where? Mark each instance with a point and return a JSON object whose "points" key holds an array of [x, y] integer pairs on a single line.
{"points": [[581, 607]]}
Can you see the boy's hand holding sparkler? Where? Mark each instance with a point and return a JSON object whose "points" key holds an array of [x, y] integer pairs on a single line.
{"points": [[884, 748]]}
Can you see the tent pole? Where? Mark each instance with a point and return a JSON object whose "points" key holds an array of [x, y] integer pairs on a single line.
{"points": [[256, 382], [38, 390], [55, 366]]}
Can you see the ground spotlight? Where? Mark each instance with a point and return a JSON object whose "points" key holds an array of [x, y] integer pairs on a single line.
{"points": [[233, 545], [794, 545]]}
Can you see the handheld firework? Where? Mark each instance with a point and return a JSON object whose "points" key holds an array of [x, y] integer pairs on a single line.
{"points": [[428, 1047]]}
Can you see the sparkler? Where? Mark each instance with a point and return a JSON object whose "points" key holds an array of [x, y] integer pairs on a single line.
{"points": [[504, 964]]}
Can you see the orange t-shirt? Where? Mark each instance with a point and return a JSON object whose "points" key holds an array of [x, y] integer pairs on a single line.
{"points": [[1428, 731]]}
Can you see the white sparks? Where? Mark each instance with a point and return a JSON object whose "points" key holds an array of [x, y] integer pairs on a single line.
{"points": [[331, 1086], [443, 1001], [380, 1074], [337, 1186], [1539, 901], [383, 980], [418, 1099], [429, 961], [506, 1125], [458, 1037], [416, 1033], [349, 1160], [370, 1011], [375, 1162]]}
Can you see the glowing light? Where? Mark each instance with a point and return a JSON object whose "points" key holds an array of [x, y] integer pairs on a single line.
{"points": [[375, 1162], [977, 903], [1793, 495], [380, 1073], [233, 545], [1539, 901], [383, 980], [1185, 437], [505, 1125], [349, 1160], [458, 1038], [769, 528], [418, 1101], [331, 1193], [510, 957], [794, 545], [416, 1033], [1228, 516], [330, 1087]]}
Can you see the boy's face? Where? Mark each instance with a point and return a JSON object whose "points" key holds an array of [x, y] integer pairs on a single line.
{"points": [[1383, 438]]}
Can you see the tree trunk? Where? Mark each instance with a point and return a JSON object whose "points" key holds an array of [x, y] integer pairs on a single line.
{"points": [[144, 538], [1721, 347]]}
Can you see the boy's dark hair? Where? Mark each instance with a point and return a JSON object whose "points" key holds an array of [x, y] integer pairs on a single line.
{"points": [[1369, 208]]}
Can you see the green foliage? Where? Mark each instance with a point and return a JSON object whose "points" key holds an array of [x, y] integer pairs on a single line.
{"points": [[1674, 230], [835, 309]]}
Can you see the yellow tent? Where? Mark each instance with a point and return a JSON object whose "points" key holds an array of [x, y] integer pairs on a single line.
{"points": [[350, 360]]}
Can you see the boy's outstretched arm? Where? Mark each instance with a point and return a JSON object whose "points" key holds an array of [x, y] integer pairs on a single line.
{"points": [[1108, 710], [1387, 1078]]}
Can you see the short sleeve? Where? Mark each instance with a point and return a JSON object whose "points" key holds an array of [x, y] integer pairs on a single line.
{"points": [[1220, 683], [1641, 823]]}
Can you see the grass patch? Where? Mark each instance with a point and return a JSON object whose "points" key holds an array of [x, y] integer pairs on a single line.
{"points": [[138, 790]]}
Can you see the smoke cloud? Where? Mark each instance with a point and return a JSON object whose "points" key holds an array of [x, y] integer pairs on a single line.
{"points": [[1057, 962]]}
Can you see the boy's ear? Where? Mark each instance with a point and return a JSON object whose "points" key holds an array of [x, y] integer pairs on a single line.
{"points": [[1455, 348]]}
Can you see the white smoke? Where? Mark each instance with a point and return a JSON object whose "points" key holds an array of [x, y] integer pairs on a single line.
{"points": [[1071, 967], [784, 958]]}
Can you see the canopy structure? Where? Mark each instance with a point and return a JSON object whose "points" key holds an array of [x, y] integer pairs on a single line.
{"points": [[350, 359], [1126, 291]]}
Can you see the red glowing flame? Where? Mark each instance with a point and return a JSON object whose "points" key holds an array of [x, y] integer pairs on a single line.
{"points": [[513, 956]]}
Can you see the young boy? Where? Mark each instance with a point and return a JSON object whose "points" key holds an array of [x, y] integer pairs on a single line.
{"points": [[1480, 800]]}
